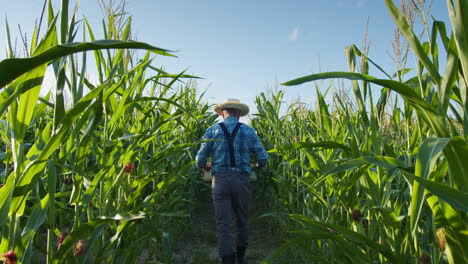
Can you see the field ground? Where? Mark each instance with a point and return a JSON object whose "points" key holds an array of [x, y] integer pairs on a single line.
{"points": [[198, 244]]}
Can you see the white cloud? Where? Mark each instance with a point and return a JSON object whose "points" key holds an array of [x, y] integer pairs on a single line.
{"points": [[294, 34]]}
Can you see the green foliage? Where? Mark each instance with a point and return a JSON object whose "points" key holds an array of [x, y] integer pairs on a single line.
{"points": [[69, 171], [402, 179], [352, 181]]}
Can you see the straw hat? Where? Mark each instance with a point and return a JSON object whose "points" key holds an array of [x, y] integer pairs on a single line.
{"points": [[231, 103]]}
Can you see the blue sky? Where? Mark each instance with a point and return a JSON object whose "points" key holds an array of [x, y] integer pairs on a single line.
{"points": [[243, 47]]}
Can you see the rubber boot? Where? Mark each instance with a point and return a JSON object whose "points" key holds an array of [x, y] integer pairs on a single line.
{"points": [[229, 259], [241, 258]]}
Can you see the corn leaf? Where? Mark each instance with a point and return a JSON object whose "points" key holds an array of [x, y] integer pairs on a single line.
{"points": [[457, 14], [456, 198], [425, 163], [11, 69], [429, 113], [88, 228], [35, 220], [31, 173], [309, 145], [413, 40]]}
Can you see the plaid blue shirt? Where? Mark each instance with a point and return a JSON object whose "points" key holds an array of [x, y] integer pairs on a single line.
{"points": [[245, 143]]}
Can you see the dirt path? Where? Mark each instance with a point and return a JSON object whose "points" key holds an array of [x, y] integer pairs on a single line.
{"points": [[198, 244]]}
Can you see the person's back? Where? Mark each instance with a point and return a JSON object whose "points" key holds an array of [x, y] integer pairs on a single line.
{"points": [[245, 142], [230, 145]]}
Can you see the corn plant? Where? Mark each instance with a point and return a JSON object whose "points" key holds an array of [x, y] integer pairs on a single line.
{"points": [[378, 184], [103, 172]]}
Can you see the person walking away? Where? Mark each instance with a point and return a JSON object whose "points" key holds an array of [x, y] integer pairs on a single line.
{"points": [[230, 147]]}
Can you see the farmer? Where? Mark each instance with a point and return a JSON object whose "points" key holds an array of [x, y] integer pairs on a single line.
{"points": [[230, 150]]}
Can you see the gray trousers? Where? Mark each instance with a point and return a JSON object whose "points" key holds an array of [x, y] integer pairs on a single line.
{"points": [[231, 194]]}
